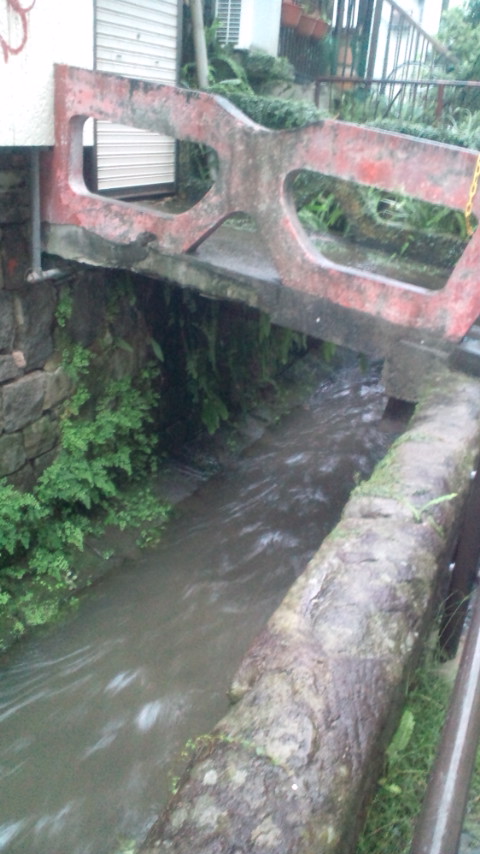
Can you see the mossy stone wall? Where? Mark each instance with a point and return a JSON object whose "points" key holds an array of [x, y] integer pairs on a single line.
{"points": [[33, 382]]}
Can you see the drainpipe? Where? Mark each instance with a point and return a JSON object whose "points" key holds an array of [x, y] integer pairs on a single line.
{"points": [[199, 43], [36, 274]]}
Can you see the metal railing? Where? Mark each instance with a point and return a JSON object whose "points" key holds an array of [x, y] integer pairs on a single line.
{"points": [[426, 101], [440, 822], [368, 38], [309, 57], [400, 47]]}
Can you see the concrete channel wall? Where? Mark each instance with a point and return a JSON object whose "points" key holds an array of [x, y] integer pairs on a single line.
{"points": [[292, 766]]}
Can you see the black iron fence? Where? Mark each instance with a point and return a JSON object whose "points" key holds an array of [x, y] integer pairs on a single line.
{"points": [[310, 57], [399, 47], [435, 102], [367, 39]]}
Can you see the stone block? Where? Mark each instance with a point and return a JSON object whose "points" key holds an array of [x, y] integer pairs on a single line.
{"points": [[7, 321], [12, 180], [9, 369], [40, 436], [43, 462], [12, 454], [23, 479], [23, 401], [15, 256], [88, 313], [58, 386], [35, 306], [14, 207]]}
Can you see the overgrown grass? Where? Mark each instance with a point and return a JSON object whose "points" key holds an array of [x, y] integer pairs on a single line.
{"points": [[395, 807]]}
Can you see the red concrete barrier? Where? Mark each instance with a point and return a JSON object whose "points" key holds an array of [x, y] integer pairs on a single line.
{"points": [[253, 167]]}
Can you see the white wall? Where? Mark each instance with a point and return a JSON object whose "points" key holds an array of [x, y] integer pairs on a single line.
{"points": [[266, 25], [427, 13], [59, 31], [431, 14], [260, 25]]}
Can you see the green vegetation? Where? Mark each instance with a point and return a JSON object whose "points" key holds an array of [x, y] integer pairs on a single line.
{"points": [[460, 122], [317, 204], [395, 807], [460, 33], [251, 71], [105, 441], [218, 356], [392, 223], [211, 360], [273, 113], [249, 80], [464, 131]]}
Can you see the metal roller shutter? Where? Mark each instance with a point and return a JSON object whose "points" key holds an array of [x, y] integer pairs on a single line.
{"points": [[135, 38]]}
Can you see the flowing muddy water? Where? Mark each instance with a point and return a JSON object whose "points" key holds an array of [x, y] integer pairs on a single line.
{"points": [[95, 712]]}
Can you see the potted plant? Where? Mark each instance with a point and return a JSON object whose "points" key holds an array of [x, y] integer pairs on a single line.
{"points": [[291, 13], [311, 22], [321, 28], [306, 25]]}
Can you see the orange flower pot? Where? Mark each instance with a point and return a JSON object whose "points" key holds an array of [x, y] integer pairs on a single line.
{"points": [[320, 30], [291, 14], [306, 25]]}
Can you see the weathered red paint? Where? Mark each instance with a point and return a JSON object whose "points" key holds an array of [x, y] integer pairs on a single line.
{"points": [[254, 164]]}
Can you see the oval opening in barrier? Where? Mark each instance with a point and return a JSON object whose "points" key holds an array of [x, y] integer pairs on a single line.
{"points": [[157, 170], [378, 231]]}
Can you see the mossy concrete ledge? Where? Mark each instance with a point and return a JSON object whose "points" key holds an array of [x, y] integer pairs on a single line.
{"points": [[291, 767]]}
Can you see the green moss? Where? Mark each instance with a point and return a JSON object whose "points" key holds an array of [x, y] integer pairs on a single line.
{"points": [[384, 481]]}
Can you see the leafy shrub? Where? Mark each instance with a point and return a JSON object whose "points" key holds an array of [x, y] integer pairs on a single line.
{"points": [[105, 439], [98, 450], [264, 70], [458, 134], [274, 113]]}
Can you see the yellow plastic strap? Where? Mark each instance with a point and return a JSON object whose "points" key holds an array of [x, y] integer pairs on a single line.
{"points": [[471, 195]]}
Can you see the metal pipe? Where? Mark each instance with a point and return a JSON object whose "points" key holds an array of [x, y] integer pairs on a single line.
{"points": [[439, 104], [36, 274], [35, 211], [441, 819], [201, 59]]}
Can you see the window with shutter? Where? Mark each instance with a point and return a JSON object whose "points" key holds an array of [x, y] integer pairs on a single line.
{"points": [[228, 13]]}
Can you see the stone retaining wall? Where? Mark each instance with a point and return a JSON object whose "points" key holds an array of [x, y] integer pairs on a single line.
{"points": [[33, 383], [290, 769]]}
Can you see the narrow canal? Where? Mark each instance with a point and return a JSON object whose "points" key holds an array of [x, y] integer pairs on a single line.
{"points": [[95, 712]]}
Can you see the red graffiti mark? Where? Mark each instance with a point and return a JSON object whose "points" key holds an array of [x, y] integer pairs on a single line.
{"points": [[12, 265], [16, 6]]}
